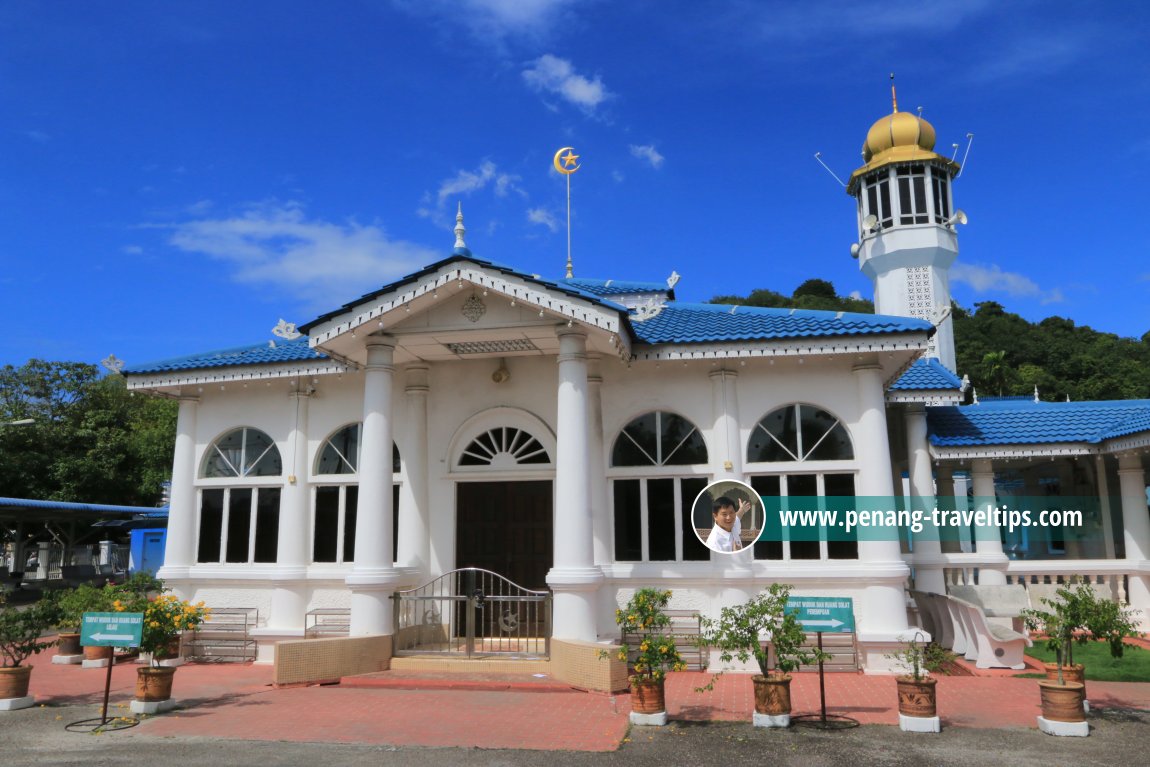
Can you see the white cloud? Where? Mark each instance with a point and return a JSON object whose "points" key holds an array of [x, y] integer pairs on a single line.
{"points": [[649, 153], [493, 20], [132, 250], [465, 183], [40, 137], [991, 279], [544, 217], [553, 75], [277, 244], [617, 176], [856, 295]]}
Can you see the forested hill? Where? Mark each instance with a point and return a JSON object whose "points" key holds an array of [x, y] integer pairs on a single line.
{"points": [[1005, 354]]}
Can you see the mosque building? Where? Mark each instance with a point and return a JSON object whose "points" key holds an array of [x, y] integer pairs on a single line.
{"points": [[556, 433]]}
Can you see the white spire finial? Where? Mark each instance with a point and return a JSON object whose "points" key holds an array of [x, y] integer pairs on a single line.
{"points": [[460, 229]]}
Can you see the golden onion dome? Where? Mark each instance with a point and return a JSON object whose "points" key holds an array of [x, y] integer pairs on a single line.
{"points": [[900, 129]]}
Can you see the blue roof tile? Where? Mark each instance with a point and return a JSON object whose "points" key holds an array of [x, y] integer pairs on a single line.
{"points": [[258, 354], [701, 323], [927, 374], [619, 287], [1025, 422]]}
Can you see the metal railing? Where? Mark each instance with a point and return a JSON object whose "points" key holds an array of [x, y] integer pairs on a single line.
{"points": [[473, 613]]}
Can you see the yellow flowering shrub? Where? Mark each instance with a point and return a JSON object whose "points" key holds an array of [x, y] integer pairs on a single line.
{"points": [[644, 618], [166, 616]]}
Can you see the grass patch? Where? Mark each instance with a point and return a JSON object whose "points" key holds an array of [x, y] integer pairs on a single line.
{"points": [[1133, 666]]}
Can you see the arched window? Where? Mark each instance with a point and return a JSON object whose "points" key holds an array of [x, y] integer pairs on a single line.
{"points": [[340, 454], [337, 500], [504, 447], [652, 513], [796, 434], [799, 433], [243, 453], [659, 439], [239, 522]]}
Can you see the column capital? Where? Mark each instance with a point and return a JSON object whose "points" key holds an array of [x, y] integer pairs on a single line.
{"points": [[380, 353], [417, 378], [981, 466], [191, 399], [572, 344], [723, 373], [1129, 462]]}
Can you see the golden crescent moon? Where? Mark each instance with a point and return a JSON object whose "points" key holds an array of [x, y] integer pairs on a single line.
{"points": [[566, 165]]}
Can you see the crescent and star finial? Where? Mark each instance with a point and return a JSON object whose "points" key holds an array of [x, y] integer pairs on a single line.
{"points": [[566, 163]]}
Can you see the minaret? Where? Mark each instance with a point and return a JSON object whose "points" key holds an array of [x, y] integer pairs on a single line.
{"points": [[906, 220]]}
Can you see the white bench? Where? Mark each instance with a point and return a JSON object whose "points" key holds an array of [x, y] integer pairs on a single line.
{"points": [[935, 606], [1002, 605], [989, 645]]}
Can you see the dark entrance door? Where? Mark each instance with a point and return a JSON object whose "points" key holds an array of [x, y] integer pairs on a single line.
{"points": [[505, 527]]}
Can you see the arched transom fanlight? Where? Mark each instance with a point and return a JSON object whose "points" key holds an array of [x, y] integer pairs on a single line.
{"points": [[340, 454], [799, 433], [659, 439], [243, 453], [504, 447]]}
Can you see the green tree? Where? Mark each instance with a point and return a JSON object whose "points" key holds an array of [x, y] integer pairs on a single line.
{"points": [[90, 441]]}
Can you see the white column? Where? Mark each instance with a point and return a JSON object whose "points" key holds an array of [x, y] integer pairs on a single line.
{"points": [[180, 542], [596, 456], [289, 596], [725, 408], [1135, 531], [884, 601], [987, 538], [414, 519], [373, 576], [574, 579], [927, 547], [1103, 486]]}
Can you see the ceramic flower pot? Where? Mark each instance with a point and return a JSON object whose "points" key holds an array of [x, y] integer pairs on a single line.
{"points": [[772, 694], [153, 684], [93, 652], [917, 698], [69, 644], [14, 681], [1062, 702], [647, 696]]}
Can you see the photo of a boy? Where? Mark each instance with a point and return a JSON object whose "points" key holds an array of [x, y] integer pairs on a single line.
{"points": [[726, 535]]}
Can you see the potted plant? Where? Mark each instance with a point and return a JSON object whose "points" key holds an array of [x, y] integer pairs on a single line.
{"points": [[1063, 711], [166, 617], [763, 629], [917, 694], [21, 636], [73, 603], [643, 619]]}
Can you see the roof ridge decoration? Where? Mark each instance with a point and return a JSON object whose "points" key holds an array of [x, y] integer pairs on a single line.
{"points": [[285, 330], [648, 311], [461, 248]]}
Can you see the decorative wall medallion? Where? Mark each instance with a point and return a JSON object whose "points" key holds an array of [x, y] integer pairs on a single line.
{"points": [[473, 308]]}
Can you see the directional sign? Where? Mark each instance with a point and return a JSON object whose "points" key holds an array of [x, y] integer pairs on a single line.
{"points": [[831, 615], [111, 629]]}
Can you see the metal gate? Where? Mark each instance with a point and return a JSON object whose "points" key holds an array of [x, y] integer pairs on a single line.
{"points": [[473, 613]]}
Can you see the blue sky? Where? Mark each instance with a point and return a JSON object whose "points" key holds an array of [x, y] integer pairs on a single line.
{"points": [[175, 177]]}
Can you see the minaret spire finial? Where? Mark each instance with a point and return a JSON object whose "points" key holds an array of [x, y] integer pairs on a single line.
{"points": [[893, 97], [460, 230]]}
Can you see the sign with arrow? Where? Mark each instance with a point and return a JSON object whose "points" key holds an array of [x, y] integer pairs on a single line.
{"points": [[831, 615], [111, 629]]}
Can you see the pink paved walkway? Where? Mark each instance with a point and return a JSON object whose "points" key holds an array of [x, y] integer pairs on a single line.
{"points": [[237, 701]]}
